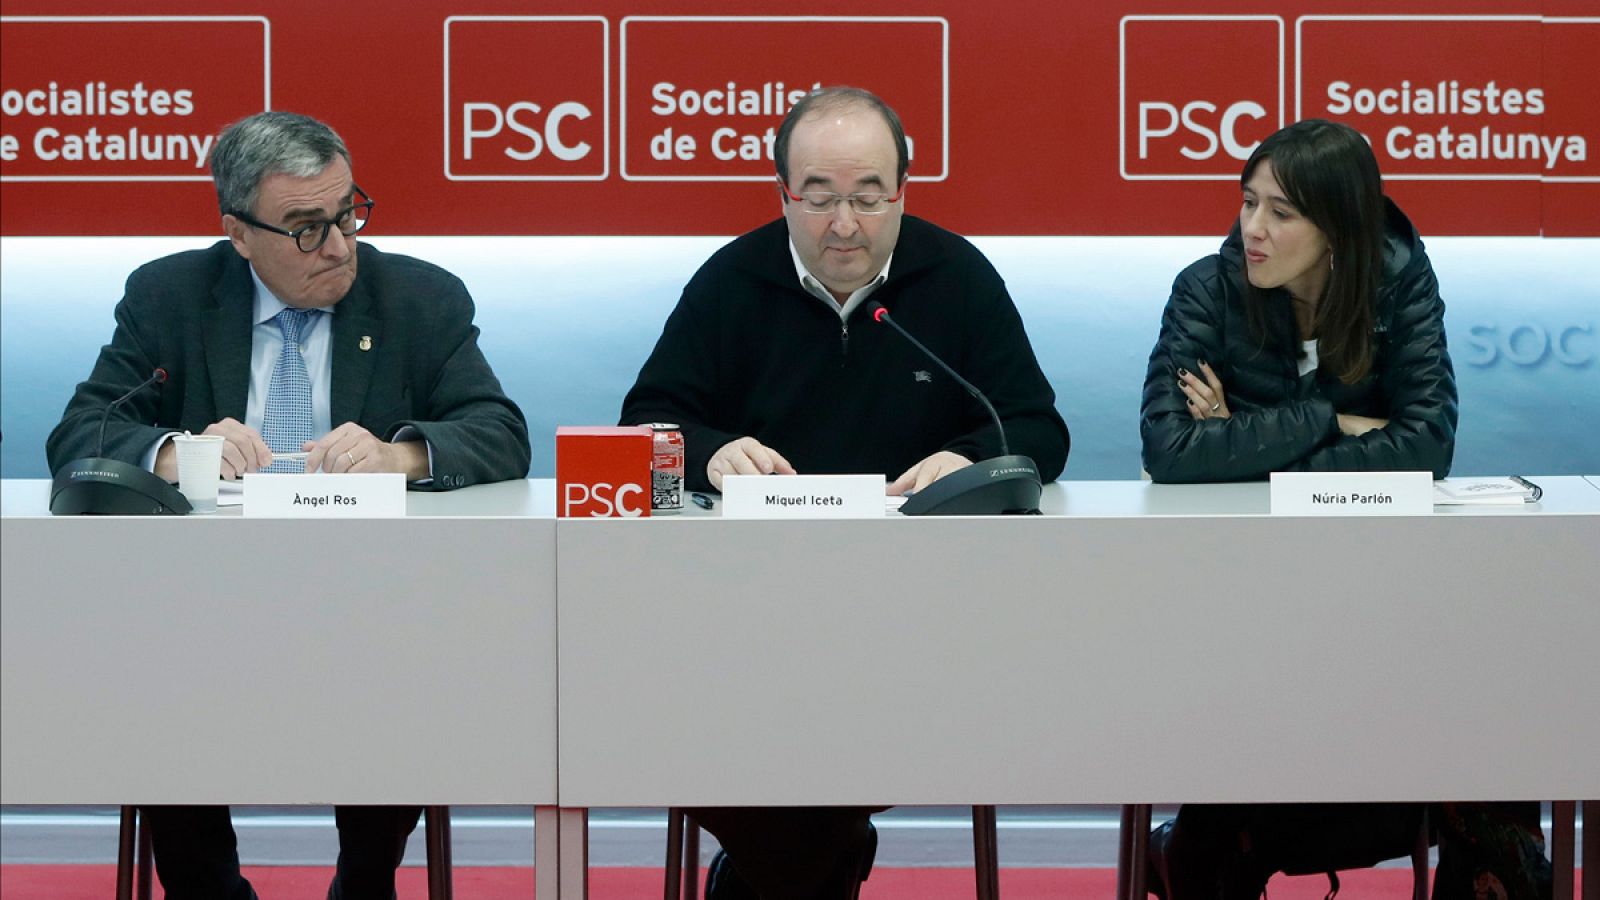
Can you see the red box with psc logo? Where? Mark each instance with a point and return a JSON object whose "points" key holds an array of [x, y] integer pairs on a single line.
{"points": [[603, 471]]}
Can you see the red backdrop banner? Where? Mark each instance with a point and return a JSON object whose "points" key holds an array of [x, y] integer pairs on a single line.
{"points": [[610, 118]]}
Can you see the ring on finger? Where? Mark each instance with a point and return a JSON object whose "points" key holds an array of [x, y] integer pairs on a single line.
{"points": [[1216, 406], [351, 458]]}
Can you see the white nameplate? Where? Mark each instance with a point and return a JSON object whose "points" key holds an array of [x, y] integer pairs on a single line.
{"points": [[1352, 493], [293, 495], [802, 496]]}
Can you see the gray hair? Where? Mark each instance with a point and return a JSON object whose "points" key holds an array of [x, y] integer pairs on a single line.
{"points": [[269, 143], [830, 98]]}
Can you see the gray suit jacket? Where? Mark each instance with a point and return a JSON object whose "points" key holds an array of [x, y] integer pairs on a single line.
{"points": [[190, 313]]}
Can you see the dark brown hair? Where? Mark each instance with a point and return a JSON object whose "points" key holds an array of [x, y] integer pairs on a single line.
{"points": [[1328, 172]]}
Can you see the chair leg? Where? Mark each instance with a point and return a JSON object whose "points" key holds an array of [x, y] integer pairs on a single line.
{"points": [[1591, 850], [691, 857], [430, 838], [125, 840], [447, 844], [441, 885], [985, 853], [1562, 843], [1125, 854], [675, 824], [145, 872], [1139, 858], [1419, 860], [1133, 848]]}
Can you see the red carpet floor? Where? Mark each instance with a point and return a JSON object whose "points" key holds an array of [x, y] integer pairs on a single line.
{"points": [[19, 882]]}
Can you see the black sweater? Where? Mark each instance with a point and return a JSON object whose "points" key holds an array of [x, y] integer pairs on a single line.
{"points": [[1280, 420], [747, 352]]}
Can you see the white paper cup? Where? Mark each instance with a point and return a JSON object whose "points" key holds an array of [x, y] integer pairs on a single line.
{"points": [[199, 469]]}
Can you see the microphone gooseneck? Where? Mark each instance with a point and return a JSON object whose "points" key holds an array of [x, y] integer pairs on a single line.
{"points": [[1004, 484], [97, 486], [880, 314], [159, 375]]}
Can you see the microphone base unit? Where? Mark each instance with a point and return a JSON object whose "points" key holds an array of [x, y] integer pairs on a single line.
{"points": [[1004, 485], [110, 487]]}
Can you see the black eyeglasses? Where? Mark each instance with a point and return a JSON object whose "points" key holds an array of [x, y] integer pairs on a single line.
{"points": [[310, 236]]}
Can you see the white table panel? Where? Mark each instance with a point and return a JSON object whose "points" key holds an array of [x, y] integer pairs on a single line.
{"points": [[156, 660], [1133, 649]]}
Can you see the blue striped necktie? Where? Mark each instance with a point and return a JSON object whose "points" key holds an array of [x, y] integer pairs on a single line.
{"points": [[286, 426]]}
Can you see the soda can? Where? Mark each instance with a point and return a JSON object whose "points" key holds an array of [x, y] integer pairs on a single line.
{"points": [[666, 470]]}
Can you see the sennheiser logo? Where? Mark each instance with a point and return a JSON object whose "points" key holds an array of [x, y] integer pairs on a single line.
{"points": [[94, 473], [1014, 470]]}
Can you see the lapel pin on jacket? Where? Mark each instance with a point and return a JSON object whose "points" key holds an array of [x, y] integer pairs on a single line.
{"points": [[366, 342]]}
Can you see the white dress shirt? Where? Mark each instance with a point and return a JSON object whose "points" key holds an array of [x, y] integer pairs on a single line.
{"points": [[316, 348], [816, 289]]}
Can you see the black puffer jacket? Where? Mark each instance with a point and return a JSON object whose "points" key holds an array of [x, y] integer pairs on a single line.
{"points": [[1280, 420]]}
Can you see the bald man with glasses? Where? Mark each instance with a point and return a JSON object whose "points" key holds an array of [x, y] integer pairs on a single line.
{"points": [[771, 365]]}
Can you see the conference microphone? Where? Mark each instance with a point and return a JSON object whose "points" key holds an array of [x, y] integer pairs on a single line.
{"points": [[157, 377], [1005, 485], [97, 486]]}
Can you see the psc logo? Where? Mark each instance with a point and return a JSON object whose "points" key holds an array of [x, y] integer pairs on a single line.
{"points": [[603, 471], [1198, 93], [527, 98], [483, 122], [604, 500]]}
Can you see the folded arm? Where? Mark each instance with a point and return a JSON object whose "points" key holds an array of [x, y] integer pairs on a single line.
{"points": [[1419, 384], [1249, 443]]}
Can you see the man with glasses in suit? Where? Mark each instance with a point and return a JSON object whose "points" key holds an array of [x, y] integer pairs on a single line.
{"points": [[307, 351]]}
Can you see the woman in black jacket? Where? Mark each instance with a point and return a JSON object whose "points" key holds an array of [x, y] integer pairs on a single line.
{"points": [[1314, 340]]}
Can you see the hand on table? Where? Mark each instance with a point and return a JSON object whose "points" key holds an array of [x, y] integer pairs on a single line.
{"points": [[745, 456], [243, 451], [924, 473], [351, 448]]}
